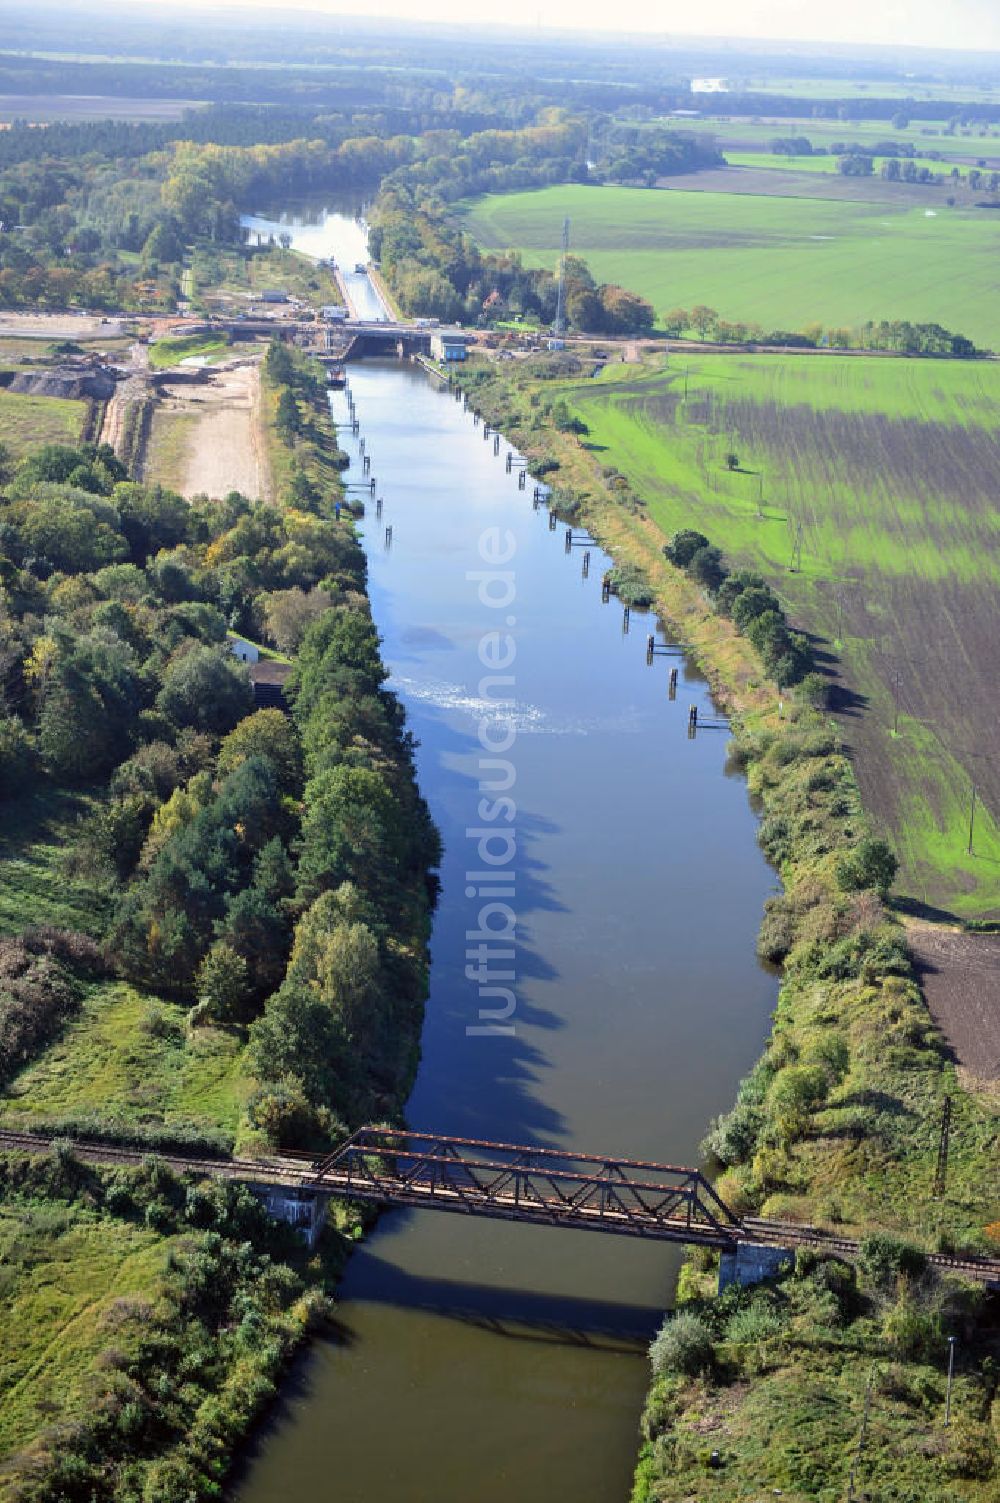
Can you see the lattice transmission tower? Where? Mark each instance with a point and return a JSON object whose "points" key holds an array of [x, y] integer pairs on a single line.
{"points": [[560, 323]]}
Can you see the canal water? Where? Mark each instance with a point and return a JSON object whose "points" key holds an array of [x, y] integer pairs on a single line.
{"points": [[479, 1360], [321, 232]]}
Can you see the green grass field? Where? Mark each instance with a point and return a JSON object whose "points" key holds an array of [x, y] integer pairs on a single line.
{"points": [[68, 1278], [127, 1055], [167, 352], [27, 421], [888, 468], [930, 135], [826, 165], [782, 262], [36, 888]]}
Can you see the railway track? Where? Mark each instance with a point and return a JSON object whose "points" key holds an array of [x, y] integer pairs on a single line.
{"points": [[794, 1234], [293, 1169], [306, 1172]]}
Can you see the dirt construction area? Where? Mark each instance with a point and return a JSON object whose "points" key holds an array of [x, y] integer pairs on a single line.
{"points": [[58, 326], [206, 436], [960, 976]]}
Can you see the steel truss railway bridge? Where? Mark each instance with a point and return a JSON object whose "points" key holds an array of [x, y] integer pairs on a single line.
{"points": [[511, 1182]]}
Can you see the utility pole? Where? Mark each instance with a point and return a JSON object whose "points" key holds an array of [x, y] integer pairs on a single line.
{"points": [[796, 563], [972, 817], [951, 1378], [895, 702]]}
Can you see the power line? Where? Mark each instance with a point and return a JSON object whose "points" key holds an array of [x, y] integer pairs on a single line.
{"points": [[560, 323], [796, 564]]}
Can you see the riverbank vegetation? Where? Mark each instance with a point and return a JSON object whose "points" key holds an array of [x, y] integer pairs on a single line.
{"points": [[145, 1323], [766, 1391], [255, 889], [303, 454], [839, 1125]]}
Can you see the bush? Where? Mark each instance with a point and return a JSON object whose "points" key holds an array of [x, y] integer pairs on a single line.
{"points": [[107, 1128], [752, 603], [864, 956], [683, 546], [284, 1113], [758, 1321], [775, 838], [777, 932], [706, 567], [871, 864], [814, 689], [630, 585], [682, 1345], [795, 1094], [972, 1451], [831, 1053], [223, 985], [732, 1138], [732, 587], [884, 1259], [38, 993], [914, 1332]]}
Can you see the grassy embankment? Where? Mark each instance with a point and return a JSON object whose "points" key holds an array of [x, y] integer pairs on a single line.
{"points": [[26, 421], [168, 446], [167, 352], [112, 1347], [36, 888], [783, 263], [313, 451], [838, 1124], [144, 1322], [887, 467]]}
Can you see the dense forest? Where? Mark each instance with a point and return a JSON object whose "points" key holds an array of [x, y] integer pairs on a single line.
{"points": [[100, 215], [270, 871], [262, 880]]}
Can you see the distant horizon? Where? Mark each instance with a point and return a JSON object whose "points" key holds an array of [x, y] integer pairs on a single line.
{"points": [[963, 27]]}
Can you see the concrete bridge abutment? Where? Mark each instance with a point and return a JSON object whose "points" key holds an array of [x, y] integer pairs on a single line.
{"points": [[753, 1262], [305, 1210]]}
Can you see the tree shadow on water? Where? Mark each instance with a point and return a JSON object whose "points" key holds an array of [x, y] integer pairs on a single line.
{"points": [[480, 1072]]}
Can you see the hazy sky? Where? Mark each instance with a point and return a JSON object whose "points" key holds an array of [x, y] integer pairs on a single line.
{"points": [[973, 24]]}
